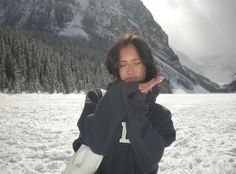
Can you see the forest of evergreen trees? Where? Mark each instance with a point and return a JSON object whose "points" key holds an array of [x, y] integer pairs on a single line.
{"points": [[45, 62]]}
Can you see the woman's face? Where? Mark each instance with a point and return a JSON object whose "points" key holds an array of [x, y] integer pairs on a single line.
{"points": [[131, 68]]}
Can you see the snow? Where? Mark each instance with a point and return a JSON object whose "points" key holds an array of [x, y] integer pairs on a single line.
{"points": [[27, 10], [75, 27], [115, 8], [83, 3], [37, 131]]}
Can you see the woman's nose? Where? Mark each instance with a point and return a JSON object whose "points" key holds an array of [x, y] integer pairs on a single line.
{"points": [[130, 69]]}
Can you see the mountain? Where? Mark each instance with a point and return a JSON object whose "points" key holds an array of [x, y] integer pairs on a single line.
{"points": [[98, 23], [215, 68], [232, 86], [220, 69], [188, 62]]}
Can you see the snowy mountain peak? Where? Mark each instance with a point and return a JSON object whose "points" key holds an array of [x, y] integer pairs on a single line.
{"points": [[103, 20]]}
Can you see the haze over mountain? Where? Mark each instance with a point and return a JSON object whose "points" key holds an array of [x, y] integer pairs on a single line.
{"points": [[219, 69]]}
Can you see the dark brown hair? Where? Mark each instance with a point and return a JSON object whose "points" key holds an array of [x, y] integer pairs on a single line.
{"points": [[144, 51]]}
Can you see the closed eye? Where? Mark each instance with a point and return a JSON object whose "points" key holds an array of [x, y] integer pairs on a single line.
{"points": [[122, 65], [137, 62]]}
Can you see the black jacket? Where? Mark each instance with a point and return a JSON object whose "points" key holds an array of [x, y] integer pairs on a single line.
{"points": [[127, 127]]}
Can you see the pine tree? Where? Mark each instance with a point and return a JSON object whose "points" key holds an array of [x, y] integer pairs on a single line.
{"points": [[3, 78], [34, 61]]}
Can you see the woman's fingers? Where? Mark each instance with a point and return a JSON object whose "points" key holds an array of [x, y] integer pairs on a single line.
{"points": [[154, 80], [146, 83], [145, 87]]}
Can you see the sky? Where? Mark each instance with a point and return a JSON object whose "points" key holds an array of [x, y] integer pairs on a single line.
{"points": [[198, 28]]}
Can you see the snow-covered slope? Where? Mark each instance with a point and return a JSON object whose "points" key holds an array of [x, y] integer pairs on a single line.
{"points": [[102, 20], [75, 26], [37, 132], [177, 80], [188, 62]]}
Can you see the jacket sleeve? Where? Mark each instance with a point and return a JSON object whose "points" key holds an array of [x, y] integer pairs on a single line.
{"points": [[98, 127], [148, 140], [91, 100]]}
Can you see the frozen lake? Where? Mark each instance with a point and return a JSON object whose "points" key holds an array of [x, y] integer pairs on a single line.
{"points": [[37, 131]]}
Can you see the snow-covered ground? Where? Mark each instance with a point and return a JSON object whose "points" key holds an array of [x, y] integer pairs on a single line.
{"points": [[36, 132]]}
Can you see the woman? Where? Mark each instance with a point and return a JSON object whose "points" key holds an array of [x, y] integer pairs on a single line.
{"points": [[125, 126]]}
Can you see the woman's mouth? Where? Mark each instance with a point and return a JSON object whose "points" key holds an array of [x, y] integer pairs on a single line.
{"points": [[131, 79]]}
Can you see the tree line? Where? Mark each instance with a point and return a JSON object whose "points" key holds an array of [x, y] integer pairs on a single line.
{"points": [[44, 62]]}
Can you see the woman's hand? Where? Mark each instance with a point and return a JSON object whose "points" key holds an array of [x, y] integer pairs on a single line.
{"points": [[147, 86]]}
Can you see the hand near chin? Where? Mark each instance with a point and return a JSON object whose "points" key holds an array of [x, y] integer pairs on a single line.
{"points": [[147, 86]]}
